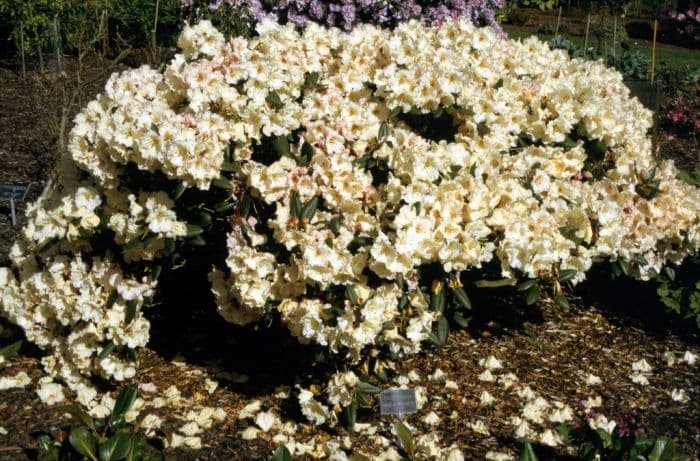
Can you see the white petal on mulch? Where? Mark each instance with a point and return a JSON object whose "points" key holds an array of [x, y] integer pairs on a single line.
{"points": [[487, 399], [690, 358], [437, 375], [498, 456], [593, 380], [431, 419], [490, 363], [639, 378], [265, 420], [19, 380], [670, 358], [679, 395], [250, 410], [641, 366], [51, 393], [250, 433]]}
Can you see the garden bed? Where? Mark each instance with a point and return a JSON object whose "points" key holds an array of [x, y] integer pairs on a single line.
{"points": [[548, 349]]}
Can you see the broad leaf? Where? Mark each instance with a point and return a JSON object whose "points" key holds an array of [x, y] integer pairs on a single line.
{"points": [[79, 414], [123, 402], [527, 453], [461, 297], [84, 442], [116, 447], [367, 388], [566, 275], [282, 454], [106, 350], [11, 349], [406, 439]]}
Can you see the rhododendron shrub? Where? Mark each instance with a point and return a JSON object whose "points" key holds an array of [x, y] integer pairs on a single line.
{"points": [[350, 186]]}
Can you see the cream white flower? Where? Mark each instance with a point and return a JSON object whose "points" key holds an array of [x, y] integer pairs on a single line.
{"points": [[679, 395], [51, 393], [266, 420]]}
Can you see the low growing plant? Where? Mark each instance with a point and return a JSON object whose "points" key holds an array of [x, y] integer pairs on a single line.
{"points": [[100, 439]]}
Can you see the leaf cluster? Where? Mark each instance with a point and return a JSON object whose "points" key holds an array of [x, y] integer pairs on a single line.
{"points": [[99, 439]]}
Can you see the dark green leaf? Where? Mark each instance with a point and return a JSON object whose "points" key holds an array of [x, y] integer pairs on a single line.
{"points": [[562, 302], [533, 294], [282, 454], [274, 100], [334, 225], [311, 80], [133, 243], [197, 241], [111, 299], [526, 285], [443, 330], [351, 294], [280, 145], [135, 442], [148, 242], [309, 208], [169, 246], [123, 402], [367, 388], [670, 273], [359, 242], [465, 111], [179, 190], [383, 132], [205, 219], [130, 312], [350, 413], [461, 297], [406, 439], [45, 442], [527, 453], [84, 442], [460, 319], [223, 206], [116, 447], [222, 183], [11, 349], [106, 350], [624, 266], [437, 301], [231, 167], [194, 230], [483, 129], [663, 450], [296, 205], [567, 274], [78, 413], [307, 151]]}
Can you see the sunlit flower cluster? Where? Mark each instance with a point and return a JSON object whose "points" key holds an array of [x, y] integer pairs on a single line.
{"points": [[73, 308]]}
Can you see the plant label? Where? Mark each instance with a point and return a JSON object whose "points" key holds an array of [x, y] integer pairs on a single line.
{"points": [[397, 402]]}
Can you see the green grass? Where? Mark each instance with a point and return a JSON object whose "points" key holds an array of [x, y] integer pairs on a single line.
{"points": [[675, 57]]}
